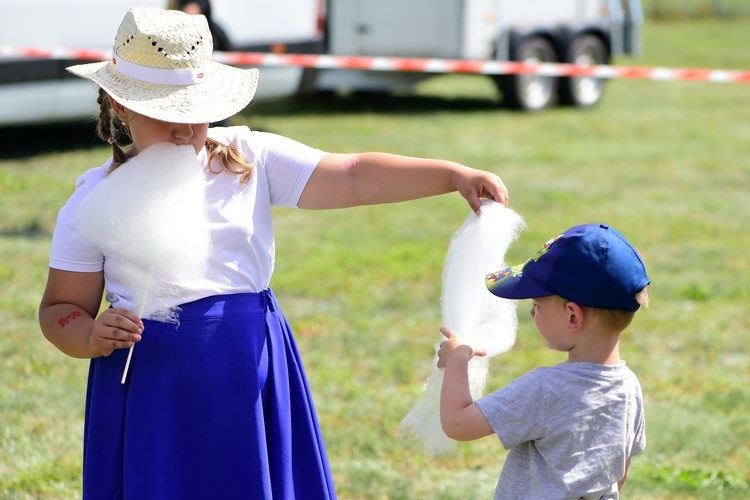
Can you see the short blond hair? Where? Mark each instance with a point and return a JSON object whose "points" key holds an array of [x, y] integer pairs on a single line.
{"points": [[612, 320]]}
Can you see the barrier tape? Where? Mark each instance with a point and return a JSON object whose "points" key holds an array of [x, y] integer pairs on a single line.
{"points": [[420, 65]]}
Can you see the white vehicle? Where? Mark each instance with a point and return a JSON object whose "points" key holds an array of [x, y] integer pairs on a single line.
{"points": [[35, 90], [572, 31]]}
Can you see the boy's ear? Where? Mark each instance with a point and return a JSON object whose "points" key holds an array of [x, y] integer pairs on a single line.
{"points": [[575, 316]]}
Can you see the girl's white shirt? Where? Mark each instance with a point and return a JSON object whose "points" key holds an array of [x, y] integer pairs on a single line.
{"points": [[239, 216]]}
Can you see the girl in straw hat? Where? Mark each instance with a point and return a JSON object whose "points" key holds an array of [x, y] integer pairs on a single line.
{"points": [[216, 405]]}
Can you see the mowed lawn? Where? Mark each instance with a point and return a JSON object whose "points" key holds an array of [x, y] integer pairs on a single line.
{"points": [[665, 162]]}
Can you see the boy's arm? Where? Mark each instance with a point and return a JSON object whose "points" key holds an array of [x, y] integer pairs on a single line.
{"points": [[621, 482], [460, 418]]}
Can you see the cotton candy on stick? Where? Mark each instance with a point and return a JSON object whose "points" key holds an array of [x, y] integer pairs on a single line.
{"points": [[468, 308], [149, 219]]}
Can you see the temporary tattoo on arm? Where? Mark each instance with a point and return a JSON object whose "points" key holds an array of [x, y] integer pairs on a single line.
{"points": [[67, 319]]}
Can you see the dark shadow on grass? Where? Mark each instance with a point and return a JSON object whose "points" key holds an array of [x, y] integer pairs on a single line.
{"points": [[26, 230], [26, 234], [25, 141], [376, 103]]}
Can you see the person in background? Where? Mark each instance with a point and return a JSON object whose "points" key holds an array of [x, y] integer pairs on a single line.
{"points": [[572, 428], [203, 7], [219, 36], [221, 408]]}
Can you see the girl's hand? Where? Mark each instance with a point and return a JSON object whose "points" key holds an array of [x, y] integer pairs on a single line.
{"points": [[455, 345], [115, 328], [476, 184]]}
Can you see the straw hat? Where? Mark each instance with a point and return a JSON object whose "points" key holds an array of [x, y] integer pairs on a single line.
{"points": [[162, 68]]}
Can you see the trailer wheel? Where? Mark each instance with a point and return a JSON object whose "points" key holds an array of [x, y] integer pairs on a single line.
{"points": [[530, 92], [584, 92]]}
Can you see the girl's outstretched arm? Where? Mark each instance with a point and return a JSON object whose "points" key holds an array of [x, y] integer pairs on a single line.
{"points": [[347, 180]]}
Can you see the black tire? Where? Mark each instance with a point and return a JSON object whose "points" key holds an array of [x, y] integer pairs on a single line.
{"points": [[530, 92], [584, 92]]}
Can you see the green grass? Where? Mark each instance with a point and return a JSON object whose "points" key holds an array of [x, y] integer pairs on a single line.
{"points": [[677, 9], [664, 162]]}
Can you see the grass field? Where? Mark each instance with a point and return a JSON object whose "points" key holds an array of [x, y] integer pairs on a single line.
{"points": [[677, 9], [666, 163]]}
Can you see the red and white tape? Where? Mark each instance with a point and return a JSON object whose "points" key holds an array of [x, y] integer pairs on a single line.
{"points": [[420, 65]]}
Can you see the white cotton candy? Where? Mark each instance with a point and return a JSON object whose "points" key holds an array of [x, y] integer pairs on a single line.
{"points": [[478, 248], [149, 219]]}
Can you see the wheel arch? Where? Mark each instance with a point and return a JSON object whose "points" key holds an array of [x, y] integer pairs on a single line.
{"points": [[595, 31], [561, 38], [518, 37]]}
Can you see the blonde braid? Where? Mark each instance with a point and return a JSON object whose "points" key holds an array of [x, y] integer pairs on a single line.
{"points": [[110, 129]]}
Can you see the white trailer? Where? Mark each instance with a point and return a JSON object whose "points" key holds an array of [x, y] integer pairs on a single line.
{"points": [[572, 31], [38, 90]]}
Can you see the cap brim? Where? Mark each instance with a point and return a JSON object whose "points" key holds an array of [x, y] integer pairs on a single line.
{"points": [[225, 93], [510, 283]]}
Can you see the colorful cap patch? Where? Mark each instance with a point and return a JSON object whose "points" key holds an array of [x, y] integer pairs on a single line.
{"points": [[591, 265]]}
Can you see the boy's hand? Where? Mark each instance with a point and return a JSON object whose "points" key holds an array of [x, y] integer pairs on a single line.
{"points": [[455, 345]]}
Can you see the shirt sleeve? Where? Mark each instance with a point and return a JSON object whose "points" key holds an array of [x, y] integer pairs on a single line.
{"points": [[288, 165], [639, 439], [516, 411], [69, 250]]}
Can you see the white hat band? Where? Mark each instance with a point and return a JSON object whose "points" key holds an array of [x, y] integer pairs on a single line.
{"points": [[158, 75]]}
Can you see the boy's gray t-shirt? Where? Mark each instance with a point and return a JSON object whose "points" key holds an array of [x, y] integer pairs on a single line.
{"points": [[570, 429]]}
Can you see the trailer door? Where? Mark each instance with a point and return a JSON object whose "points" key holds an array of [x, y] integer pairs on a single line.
{"points": [[396, 28]]}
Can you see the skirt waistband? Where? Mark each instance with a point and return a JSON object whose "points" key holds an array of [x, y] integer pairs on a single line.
{"points": [[228, 305]]}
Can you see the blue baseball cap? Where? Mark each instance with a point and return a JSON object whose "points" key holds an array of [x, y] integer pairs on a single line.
{"points": [[592, 265]]}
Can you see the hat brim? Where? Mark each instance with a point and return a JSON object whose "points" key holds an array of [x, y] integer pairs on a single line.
{"points": [[510, 283], [225, 91]]}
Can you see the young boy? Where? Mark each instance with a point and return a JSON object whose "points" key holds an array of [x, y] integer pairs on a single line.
{"points": [[571, 429]]}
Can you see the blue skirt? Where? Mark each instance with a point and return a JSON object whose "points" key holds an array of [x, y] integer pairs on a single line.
{"points": [[216, 406]]}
